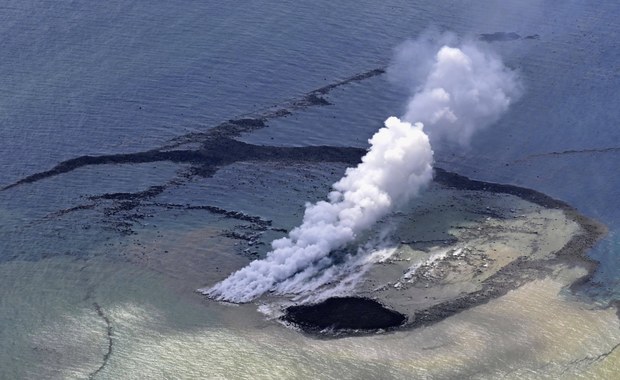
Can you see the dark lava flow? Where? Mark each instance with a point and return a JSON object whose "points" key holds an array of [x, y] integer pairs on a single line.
{"points": [[216, 148], [205, 161], [343, 313], [505, 36]]}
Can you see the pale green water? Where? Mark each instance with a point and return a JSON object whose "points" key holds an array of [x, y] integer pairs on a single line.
{"points": [[159, 332]]}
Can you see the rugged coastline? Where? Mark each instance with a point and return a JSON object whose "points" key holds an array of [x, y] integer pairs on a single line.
{"points": [[490, 284]]}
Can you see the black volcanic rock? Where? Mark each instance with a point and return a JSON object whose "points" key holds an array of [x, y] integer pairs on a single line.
{"points": [[499, 36], [346, 313]]}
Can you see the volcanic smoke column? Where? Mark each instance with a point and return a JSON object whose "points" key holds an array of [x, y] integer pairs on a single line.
{"points": [[395, 168], [462, 89]]}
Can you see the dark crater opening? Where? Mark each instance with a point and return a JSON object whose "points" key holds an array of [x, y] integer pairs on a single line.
{"points": [[346, 313]]}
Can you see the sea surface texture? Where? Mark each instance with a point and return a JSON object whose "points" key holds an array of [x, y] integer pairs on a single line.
{"points": [[100, 257]]}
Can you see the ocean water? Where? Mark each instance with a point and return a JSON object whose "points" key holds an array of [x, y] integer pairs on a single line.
{"points": [[82, 78]]}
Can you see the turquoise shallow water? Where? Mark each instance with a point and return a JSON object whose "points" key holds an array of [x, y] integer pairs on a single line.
{"points": [[80, 78]]}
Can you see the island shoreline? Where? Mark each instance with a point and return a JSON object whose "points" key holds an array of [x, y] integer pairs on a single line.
{"points": [[512, 276]]}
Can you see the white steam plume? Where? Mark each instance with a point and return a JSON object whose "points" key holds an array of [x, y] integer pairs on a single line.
{"points": [[395, 168], [463, 89]]}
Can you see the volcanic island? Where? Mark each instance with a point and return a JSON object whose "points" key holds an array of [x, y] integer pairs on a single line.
{"points": [[462, 243]]}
